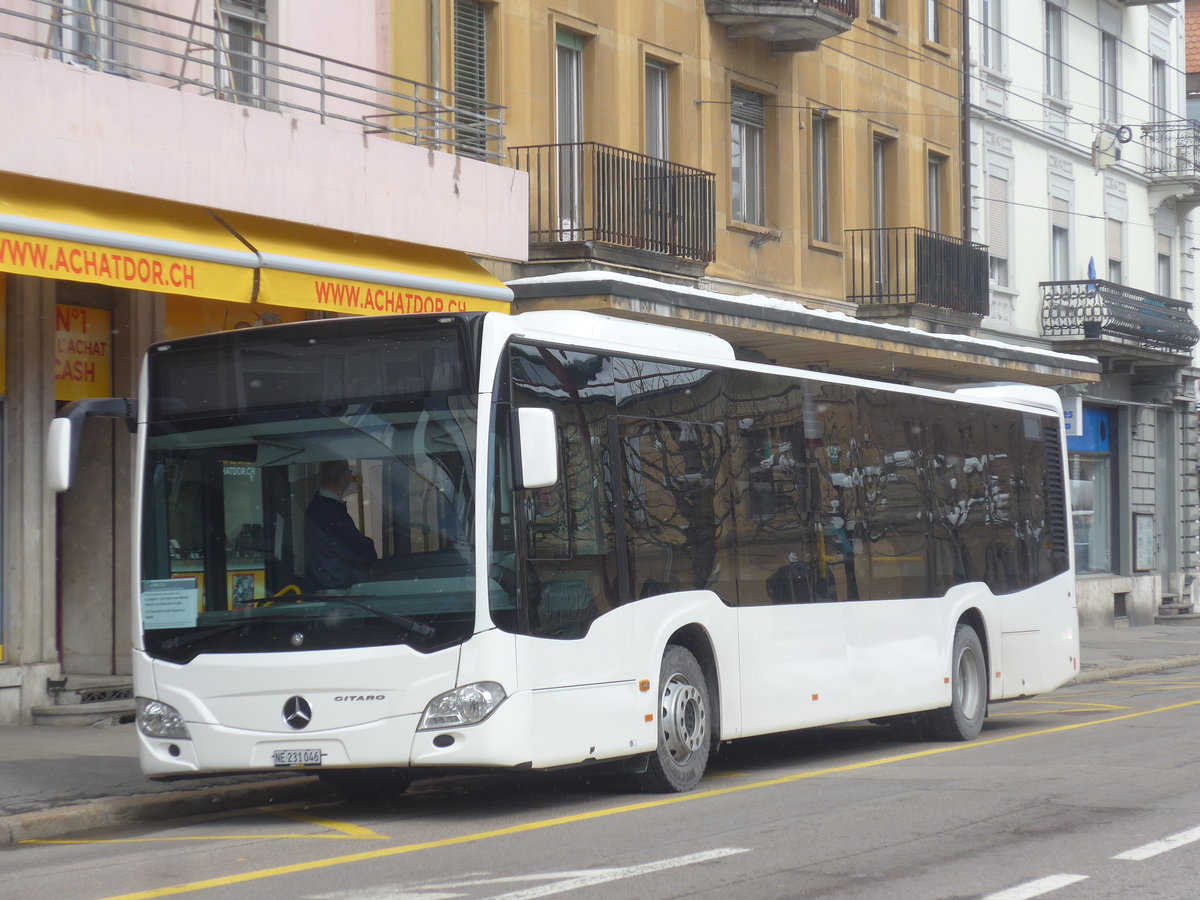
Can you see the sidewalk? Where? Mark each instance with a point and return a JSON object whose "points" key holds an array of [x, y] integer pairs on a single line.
{"points": [[59, 780]]}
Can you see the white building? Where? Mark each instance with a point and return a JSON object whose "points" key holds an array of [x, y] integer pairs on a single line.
{"points": [[1083, 177]]}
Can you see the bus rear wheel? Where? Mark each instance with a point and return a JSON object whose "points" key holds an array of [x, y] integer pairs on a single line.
{"points": [[679, 760], [962, 720]]}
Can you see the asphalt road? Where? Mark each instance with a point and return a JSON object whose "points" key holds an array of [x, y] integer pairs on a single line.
{"points": [[1092, 791]]}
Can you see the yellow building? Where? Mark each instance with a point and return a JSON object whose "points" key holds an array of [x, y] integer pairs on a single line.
{"points": [[806, 151]]}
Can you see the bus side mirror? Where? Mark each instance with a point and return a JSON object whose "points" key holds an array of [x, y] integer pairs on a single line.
{"points": [[58, 455], [62, 442], [537, 447]]}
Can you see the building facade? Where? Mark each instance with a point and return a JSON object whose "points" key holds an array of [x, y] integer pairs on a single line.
{"points": [[1083, 181], [177, 168]]}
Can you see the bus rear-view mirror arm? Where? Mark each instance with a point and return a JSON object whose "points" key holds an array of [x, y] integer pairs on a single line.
{"points": [[537, 447], [62, 443]]}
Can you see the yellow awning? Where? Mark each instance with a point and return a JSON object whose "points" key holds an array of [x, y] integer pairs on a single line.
{"points": [[319, 268], [55, 230]]}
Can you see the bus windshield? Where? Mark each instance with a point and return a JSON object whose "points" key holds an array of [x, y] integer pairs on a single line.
{"points": [[307, 493]]}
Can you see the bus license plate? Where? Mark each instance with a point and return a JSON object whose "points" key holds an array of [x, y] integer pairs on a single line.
{"points": [[306, 757]]}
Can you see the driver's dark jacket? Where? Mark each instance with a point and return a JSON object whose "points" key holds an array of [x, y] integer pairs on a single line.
{"points": [[336, 554]]}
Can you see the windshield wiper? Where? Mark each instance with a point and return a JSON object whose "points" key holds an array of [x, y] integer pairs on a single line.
{"points": [[410, 625], [185, 640]]}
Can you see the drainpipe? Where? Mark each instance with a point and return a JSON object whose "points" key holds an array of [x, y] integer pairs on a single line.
{"points": [[966, 120]]}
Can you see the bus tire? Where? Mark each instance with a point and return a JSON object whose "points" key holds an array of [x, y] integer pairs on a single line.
{"points": [[683, 714], [368, 784], [963, 718]]}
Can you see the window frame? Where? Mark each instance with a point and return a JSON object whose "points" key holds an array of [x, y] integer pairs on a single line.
{"points": [[747, 156]]}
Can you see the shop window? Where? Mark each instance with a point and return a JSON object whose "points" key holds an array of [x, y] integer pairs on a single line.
{"points": [[1092, 492]]}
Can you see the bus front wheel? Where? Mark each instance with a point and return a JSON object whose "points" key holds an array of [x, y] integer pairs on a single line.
{"points": [[679, 760], [962, 720]]}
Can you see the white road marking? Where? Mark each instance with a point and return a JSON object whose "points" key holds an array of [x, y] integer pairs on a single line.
{"points": [[602, 876], [1156, 847], [1038, 888], [561, 882]]}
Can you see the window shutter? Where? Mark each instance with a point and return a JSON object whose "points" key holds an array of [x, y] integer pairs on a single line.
{"points": [[998, 216], [1112, 239], [1163, 244], [748, 107], [1060, 213]]}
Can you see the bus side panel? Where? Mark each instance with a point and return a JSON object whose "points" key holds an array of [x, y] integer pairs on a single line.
{"points": [[1039, 638], [582, 692], [793, 666], [896, 662]]}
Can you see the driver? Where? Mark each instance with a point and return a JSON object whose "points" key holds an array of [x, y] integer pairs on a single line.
{"points": [[336, 554]]}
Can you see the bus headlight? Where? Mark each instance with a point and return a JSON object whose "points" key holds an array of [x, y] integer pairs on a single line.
{"points": [[466, 705], [158, 720]]}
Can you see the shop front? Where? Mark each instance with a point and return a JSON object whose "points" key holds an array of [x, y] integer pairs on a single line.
{"points": [[88, 280]]}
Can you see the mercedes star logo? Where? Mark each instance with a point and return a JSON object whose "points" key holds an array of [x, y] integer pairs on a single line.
{"points": [[297, 713]]}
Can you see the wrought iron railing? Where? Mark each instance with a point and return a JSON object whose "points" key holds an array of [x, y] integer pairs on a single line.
{"points": [[1172, 148], [1098, 310], [593, 192], [134, 41], [915, 265]]}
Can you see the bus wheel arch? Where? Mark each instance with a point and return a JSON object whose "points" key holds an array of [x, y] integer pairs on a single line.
{"points": [[963, 719]]}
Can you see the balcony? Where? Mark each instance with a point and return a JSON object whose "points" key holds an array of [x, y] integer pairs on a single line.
{"points": [[1101, 312], [790, 26], [587, 194], [193, 56], [914, 272]]}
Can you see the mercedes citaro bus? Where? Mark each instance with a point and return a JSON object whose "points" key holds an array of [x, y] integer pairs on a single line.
{"points": [[593, 540]]}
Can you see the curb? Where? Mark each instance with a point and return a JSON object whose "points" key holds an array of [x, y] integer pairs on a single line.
{"points": [[1145, 667], [115, 811]]}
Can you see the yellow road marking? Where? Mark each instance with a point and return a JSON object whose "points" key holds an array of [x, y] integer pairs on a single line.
{"points": [[383, 853], [345, 832]]}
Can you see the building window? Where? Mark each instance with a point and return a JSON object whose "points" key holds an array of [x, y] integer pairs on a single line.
{"points": [[747, 155], [81, 33], [933, 24], [1060, 239], [882, 149], [997, 220], [879, 9], [993, 35], [1163, 264], [241, 53], [1090, 456], [1109, 73], [471, 78], [1158, 89], [822, 125], [1055, 51], [569, 131], [936, 190], [1113, 240], [658, 118]]}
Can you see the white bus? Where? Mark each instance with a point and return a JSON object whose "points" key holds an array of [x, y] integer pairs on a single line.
{"points": [[590, 540]]}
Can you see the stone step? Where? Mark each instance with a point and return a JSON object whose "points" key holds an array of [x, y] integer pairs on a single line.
{"points": [[92, 689], [1174, 609], [111, 712], [1178, 619]]}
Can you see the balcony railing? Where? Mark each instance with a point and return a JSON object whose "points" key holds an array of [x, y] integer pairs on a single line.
{"points": [[1100, 310], [790, 25], [132, 41], [593, 192], [914, 265], [1172, 149]]}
